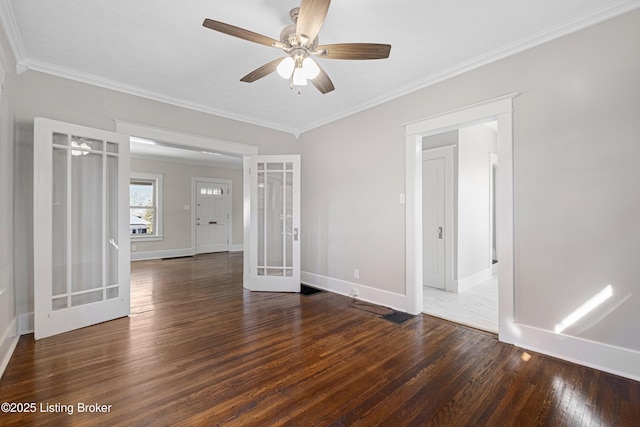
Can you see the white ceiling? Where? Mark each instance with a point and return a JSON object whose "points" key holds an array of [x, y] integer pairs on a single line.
{"points": [[159, 48]]}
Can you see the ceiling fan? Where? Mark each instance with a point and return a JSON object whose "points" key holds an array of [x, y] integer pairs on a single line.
{"points": [[300, 41]]}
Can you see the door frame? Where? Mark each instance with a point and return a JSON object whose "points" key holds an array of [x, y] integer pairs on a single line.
{"points": [[500, 109], [493, 170], [194, 210], [448, 153]]}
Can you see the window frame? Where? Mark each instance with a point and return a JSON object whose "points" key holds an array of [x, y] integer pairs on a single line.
{"points": [[156, 181]]}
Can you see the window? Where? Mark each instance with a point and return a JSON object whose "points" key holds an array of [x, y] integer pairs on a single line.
{"points": [[145, 206]]}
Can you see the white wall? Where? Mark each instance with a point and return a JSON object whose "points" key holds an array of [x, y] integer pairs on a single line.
{"points": [[473, 222], [576, 156], [176, 184]]}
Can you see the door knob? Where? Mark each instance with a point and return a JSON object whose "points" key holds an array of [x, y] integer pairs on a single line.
{"points": [[440, 232]]}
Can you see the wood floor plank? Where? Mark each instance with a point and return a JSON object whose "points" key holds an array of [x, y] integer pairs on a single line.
{"points": [[198, 349]]}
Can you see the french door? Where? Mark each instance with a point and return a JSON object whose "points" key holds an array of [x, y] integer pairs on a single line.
{"points": [[275, 224], [81, 227]]}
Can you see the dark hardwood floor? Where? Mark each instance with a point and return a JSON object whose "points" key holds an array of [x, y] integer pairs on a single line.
{"points": [[200, 350]]}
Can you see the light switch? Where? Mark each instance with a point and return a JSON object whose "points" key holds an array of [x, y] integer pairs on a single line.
{"points": [[403, 199]]}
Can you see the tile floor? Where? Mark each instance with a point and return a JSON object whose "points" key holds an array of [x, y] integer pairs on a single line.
{"points": [[477, 307]]}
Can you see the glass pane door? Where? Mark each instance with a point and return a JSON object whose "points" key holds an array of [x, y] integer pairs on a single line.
{"points": [[80, 227], [275, 231]]}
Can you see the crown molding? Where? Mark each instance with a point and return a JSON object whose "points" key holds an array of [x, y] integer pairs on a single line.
{"points": [[592, 18], [585, 21], [48, 68], [7, 18]]}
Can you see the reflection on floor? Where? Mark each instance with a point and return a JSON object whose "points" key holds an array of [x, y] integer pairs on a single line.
{"points": [[477, 307]]}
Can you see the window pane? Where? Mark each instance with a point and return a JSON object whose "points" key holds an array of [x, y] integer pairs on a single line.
{"points": [[112, 147], [60, 139], [141, 194], [141, 221], [87, 298]]}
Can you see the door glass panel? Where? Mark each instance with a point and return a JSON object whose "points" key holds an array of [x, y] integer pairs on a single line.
{"points": [[289, 219], [274, 166], [113, 293], [59, 303], [112, 147], [87, 298], [112, 221], [86, 223], [60, 139], [59, 218], [275, 219], [261, 221], [84, 143]]}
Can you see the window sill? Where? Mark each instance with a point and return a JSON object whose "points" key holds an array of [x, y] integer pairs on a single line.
{"points": [[146, 238]]}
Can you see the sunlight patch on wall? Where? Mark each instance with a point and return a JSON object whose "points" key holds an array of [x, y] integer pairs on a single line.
{"points": [[585, 309]]}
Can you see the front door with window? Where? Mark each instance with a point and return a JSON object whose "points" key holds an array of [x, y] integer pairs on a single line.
{"points": [[81, 227], [212, 233]]}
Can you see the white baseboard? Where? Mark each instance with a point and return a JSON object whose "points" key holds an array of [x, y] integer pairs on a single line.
{"points": [[236, 248], [365, 293], [25, 323], [475, 279], [172, 253], [494, 268], [604, 357], [8, 342]]}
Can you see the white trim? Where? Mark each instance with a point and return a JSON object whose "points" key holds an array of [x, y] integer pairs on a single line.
{"points": [[184, 139], [608, 358], [493, 169], [592, 18], [185, 161], [25, 323], [501, 109], [170, 253], [365, 293], [194, 210], [94, 80], [473, 280], [7, 17], [246, 220], [157, 179], [236, 248], [8, 342]]}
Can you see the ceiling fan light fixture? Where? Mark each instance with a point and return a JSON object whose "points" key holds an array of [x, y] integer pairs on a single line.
{"points": [[285, 67], [310, 68], [299, 79]]}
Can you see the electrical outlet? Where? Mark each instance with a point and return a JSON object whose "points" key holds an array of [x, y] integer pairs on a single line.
{"points": [[133, 248], [356, 273], [355, 292]]}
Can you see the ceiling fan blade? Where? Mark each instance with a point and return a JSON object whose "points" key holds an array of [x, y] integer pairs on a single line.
{"points": [[323, 82], [354, 51], [310, 18], [241, 33], [261, 72]]}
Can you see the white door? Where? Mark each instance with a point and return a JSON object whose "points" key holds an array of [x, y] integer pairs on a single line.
{"points": [[437, 218], [275, 224], [433, 215], [212, 216], [81, 227]]}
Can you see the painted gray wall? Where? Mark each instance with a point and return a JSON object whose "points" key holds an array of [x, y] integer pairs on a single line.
{"points": [[176, 183], [576, 159]]}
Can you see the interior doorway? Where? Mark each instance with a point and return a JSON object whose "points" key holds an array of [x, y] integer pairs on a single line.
{"points": [[471, 294], [501, 110]]}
